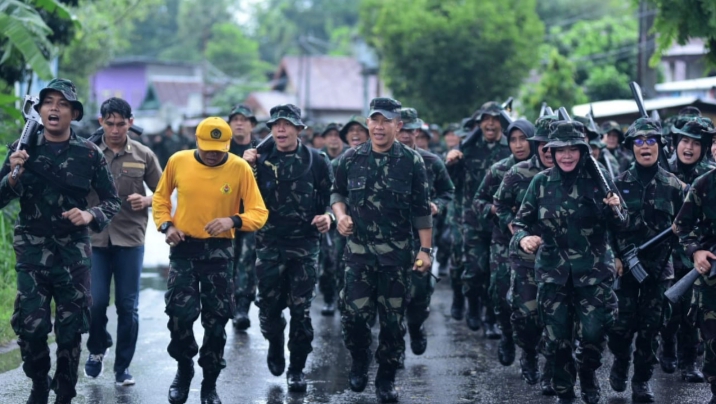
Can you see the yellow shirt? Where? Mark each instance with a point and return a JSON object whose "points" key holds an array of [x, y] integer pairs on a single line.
{"points": [[207, 193]]}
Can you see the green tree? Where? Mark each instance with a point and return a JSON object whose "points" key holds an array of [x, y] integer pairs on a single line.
{"points": [[233, 53], [607, 83], [556, 87], [679, 20], [447, 57], [155, 31]]}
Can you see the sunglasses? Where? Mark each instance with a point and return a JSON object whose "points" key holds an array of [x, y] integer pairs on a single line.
{"points": [[639, 142]]}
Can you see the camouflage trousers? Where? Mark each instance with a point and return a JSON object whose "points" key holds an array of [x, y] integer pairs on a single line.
{"points": [[422, 286], [500, 279], [457, 257], [594, 307], [200, 282], [525, 316], [706, 320], [441, 238], [327, 280], [679, 326], [338, 247], [641, 312], [287, 279], [244, 265], [476, 278], [31, 320], [371, 289]]}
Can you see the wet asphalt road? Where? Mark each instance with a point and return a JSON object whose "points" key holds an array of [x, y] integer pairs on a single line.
{"points": [[460, 366]]}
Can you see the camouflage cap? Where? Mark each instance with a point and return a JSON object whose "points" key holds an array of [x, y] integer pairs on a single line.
{"points": [[409, 116], [355, 120], [646, 127], [466, 126], [681, 120], [331, 126], [696, 129], [563, 134], [385, 106], [68, 90], [488, 108], [591, 133], [453, 127], [542, 128], [435, 127], [424, 129], [690, 110], [609, 126], [288, 112], [244, 110]]}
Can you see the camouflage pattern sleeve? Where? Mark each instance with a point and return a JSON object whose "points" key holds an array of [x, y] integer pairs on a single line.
{"points": [[691, 212], [526, 217], [255, 213], [482, 200], [323, 193], [444, 187], [420, 195], [109, 202], [339, 190], [504, 201], [8, 193]]}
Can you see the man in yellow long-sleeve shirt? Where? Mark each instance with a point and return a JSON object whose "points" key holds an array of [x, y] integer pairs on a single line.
{"points": [[210, 184]]}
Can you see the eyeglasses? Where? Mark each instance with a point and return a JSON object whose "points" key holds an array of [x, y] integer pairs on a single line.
{"points": [[639, 142]]}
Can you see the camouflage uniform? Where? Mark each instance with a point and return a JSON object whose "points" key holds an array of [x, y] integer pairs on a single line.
{"points": [[679, 331], [53, 255], [478, 156], [387, 195], [652, 207], [574, 265], [696, 228]]}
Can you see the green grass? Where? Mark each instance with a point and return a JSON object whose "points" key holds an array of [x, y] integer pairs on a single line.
{"points": [[8, 276]]}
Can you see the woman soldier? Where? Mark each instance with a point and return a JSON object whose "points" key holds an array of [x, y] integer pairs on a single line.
{"points": [[525, 322], [518, 135], [653, 197], [574, 266]]}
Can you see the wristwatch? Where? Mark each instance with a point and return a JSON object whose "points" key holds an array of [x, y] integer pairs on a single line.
{"points": [[165, 226], [427, 250]]}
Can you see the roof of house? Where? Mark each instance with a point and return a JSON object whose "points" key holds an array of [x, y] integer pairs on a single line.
{"points": [[261, 102], [611, 108], [695, 46], [704, 83], [335, 83]]}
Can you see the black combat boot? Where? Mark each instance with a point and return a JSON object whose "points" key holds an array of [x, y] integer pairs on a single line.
{"points": [[40, 390], [473, 312], [589, 386], [567, 397], [275, 359], [329, 308], [63, 399], [179, 389], [358, 376], [208, 392], [506, 350], [457, 310], [295, 378], [241, 320], [545, 380], [491, 331], [641, 392], [690, 373], [619, 375], [385, 385], [529, 366], [667, 357], [713, 393], [418, 338]]}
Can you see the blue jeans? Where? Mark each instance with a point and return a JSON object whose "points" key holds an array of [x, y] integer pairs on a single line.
{"points": [[125, 263]]}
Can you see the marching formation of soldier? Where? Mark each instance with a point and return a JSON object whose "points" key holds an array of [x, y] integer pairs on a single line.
{"points": [[554, 242]]}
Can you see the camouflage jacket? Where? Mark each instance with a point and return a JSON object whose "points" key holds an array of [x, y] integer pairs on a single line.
{"points": [[624, 157], [509, 195], [688, 176], [696, 221], [442, 190], [294, 192], [652, 208], [56, 181], [573, 227], [468, 172], [484, 198], [386, 195]]}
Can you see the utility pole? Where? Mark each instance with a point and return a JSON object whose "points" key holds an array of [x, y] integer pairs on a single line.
{"points": [[646, 76]]}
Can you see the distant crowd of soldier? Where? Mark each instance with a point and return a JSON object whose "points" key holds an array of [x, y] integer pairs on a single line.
{"points": [[559, 237]]}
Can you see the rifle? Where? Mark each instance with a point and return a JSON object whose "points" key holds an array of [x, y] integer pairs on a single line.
{"points": [[607, 153], [549, 110], [33, 123], [593, 169], [639, 99], [543, 110], [631, 257], [675, 292], [505, 113]]}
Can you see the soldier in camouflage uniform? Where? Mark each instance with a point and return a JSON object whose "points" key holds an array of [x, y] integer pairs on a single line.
{"points": [[211, 184], [380, 194], [295, 182], [574, 265], [242, 122], [696, 228], [442, 191], [653, 197], [614, 139], [52, 241], [525, 320], [482, 148], [599, 149], [680, 338], [518, 135]]}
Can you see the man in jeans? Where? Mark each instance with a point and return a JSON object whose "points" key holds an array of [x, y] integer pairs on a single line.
{"points": [[119, 249]]}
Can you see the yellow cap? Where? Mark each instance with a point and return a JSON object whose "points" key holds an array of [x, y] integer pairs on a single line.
{"points": [[213, 134]]}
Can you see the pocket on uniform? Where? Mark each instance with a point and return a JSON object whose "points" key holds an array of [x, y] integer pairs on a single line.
{"points": [[356, 189], [130, 181]]}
